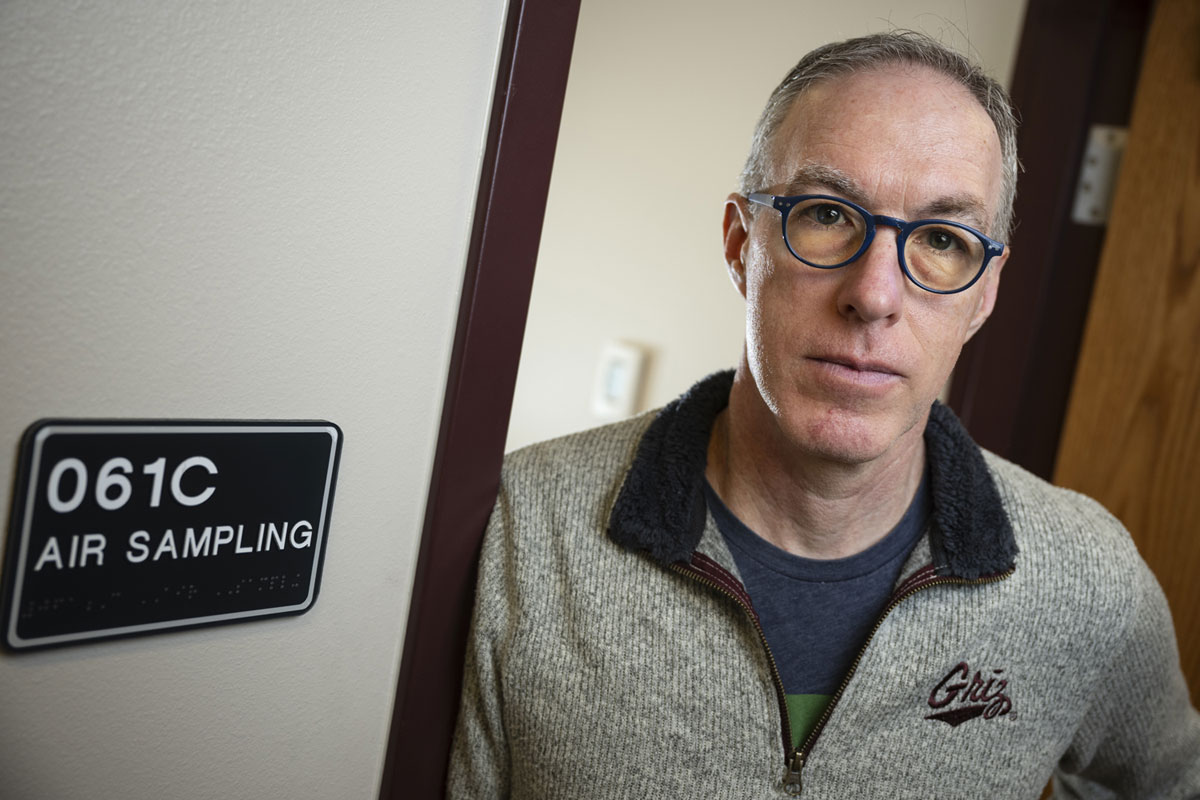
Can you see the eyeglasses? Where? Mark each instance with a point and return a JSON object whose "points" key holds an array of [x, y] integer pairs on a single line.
{"points": [[827, 232]]}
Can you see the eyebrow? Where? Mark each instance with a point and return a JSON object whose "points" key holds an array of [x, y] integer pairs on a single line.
{"points": [[822, 177], [819, 176], [955, 208]]}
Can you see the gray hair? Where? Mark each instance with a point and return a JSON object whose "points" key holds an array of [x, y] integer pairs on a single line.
{"points": [[883, 50]]}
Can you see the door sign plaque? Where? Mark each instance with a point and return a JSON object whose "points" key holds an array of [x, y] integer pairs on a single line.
{"points": [[129, 527]]}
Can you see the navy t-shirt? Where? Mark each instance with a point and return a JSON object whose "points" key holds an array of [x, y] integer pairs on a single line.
{"points": [[817, 613]]}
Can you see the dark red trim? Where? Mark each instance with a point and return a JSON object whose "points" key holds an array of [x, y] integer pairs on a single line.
{"points": [[912, 581], [708, 568], [514, 181]]}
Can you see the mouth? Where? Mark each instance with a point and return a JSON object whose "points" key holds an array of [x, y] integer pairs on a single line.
{"points": [[862, 374], [859, 365]]}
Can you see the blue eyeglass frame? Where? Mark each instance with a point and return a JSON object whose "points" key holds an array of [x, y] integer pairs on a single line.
{"points": [[784, 204]]}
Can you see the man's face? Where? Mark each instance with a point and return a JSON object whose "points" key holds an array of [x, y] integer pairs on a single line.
{"points": [[849, 360]]}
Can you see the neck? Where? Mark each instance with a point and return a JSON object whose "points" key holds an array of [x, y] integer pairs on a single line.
{"points": [[800, 501]]}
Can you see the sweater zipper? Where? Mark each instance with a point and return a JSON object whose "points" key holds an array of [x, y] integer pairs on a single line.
{"points": [[691, 572], [796, 758]]}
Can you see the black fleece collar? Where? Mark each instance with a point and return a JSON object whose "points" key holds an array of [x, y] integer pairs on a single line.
{"points": [[661, 507]]}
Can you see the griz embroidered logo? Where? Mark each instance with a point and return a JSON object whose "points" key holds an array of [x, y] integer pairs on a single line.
{"points": [[965, 697]]}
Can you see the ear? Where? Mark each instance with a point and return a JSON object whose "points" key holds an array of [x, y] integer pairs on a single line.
{"points": [[991, 285], [735, 228]]}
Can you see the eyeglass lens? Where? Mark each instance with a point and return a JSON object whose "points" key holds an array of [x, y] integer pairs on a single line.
{"points": [[826, 233]]}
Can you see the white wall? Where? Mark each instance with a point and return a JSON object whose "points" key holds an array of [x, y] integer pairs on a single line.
{"points": [[238, 210], [660, 106]]}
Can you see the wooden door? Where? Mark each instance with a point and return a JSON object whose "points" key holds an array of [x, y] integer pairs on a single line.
{"points": [[1132, 434]]}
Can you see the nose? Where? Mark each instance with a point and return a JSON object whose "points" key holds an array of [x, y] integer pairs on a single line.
{"points": [[872, 288]]}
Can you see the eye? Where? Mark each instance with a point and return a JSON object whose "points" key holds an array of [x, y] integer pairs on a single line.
{"points": [[826, 214], [942, 239]]}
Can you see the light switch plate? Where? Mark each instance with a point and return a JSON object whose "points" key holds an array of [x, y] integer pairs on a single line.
{"points": [[619, 377]]}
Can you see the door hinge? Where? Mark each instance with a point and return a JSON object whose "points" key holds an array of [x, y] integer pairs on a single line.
{"points": [[1098, 174]]}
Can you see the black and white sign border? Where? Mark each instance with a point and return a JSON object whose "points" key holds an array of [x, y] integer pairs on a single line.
{"points": [[24, 502]]}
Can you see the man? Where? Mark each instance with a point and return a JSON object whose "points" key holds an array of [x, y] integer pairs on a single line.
{"points": [[804, 578]]}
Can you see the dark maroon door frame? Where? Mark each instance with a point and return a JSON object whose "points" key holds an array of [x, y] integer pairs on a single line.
{"points": [[1077, 65], [515, 178]]}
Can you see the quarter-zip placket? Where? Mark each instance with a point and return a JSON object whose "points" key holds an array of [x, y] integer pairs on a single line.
{"points": [[720, 580]]}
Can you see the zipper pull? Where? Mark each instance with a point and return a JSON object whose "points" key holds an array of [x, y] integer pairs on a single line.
{"points": [[791, 779]]}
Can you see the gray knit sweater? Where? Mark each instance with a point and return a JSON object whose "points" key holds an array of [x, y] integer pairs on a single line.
{"points": [[614, 653]]}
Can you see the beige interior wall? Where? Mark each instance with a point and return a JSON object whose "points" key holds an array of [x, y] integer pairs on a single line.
{"points": [[660, 105], [237, 210]]}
